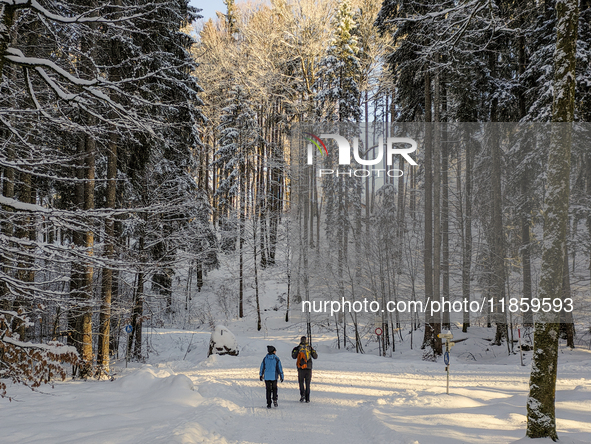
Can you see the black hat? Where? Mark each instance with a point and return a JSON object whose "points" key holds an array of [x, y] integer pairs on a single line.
{"points": [[270, 348], [303, 340]]}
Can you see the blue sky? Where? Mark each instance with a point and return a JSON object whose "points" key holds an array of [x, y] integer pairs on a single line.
{"points": [[209, 7]]}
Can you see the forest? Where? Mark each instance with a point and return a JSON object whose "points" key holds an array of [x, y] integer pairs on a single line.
{"points": [[141, 147]]}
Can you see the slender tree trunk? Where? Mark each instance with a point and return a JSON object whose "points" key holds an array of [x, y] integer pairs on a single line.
{"points": [[262, 204], [431, 326], [445, 213], [24, 224], [25, 265], [340, 239], [116, 277], [86, 354], [467, 251], [437, 202], [588, 157], [199, 273], [76, 275], [460, 217], [256, 222], [242, 221], [6, 225], [428, 250], [304, 218], [497, 248], [525, 191], [109, 253], [366, 128], [135, 339], [528, 320], [275, 187]]}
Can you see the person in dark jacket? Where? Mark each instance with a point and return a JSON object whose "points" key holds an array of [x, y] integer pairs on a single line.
{"points": [[270, 370], [303, 354]]}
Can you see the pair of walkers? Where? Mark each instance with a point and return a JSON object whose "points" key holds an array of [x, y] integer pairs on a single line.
{"points": [[271, 370]]}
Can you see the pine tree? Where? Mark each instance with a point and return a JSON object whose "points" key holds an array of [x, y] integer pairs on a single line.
{"points": [[338, 97]]}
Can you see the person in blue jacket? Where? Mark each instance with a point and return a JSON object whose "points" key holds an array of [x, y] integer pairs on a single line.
{"points": [[270, 370]]}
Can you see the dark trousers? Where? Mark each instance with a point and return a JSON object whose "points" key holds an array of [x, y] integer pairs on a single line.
{"points": [[271, 391], [304, 378]]}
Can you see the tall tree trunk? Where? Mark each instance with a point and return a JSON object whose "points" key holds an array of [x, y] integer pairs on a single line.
{"points": [[465, 219], [6, 225], [116, 276], [497, 248], [256, 221], [366, 131], [242, 220], [102, 359], [445, 212], [262, 198], [275, 184], [498, 239], [341, 255], [431, 327], [135, 338], [541, 417], [437, 199], [76, 275], [428, 248], [86, 354], [588, 158], [525, 190], [467, 260], [528, 320], [25, 265]]}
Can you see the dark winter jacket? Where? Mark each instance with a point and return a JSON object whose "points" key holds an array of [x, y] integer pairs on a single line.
{"points": [[271, 368], [305, 347]]}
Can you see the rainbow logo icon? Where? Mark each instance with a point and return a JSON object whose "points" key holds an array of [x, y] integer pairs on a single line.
{"points": [[317, 142]]}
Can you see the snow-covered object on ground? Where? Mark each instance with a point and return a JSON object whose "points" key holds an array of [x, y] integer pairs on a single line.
{"points": [[222, 342]]}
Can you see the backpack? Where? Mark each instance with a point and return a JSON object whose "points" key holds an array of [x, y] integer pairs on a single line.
{"points": [[302, 357]]}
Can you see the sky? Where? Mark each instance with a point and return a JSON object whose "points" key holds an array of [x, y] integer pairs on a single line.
{"points": [[208, 7]]}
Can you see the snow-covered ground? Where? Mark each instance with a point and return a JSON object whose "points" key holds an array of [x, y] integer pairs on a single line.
{"points": [[181, 396]]}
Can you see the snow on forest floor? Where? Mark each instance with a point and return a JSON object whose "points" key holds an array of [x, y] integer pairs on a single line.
{"points": [[181, 396]]}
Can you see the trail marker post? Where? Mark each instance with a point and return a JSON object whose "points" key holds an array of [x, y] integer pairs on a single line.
{"points": [[128, 330], [379, 324], [520, 350], [447, 336], [379, 332]]}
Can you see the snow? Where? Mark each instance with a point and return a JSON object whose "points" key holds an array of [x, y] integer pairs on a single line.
{"points": [[222, 341], [16, 55], [180, 396]]}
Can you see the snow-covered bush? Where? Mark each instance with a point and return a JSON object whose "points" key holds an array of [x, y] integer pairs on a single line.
{"points": [[222, 342]]}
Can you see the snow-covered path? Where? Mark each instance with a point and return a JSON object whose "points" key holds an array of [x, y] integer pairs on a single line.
{"points": [[181, 397], [335, 409], [400, 403]]}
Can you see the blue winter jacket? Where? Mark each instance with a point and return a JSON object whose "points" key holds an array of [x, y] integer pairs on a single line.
{"points": [[271, 368]]}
